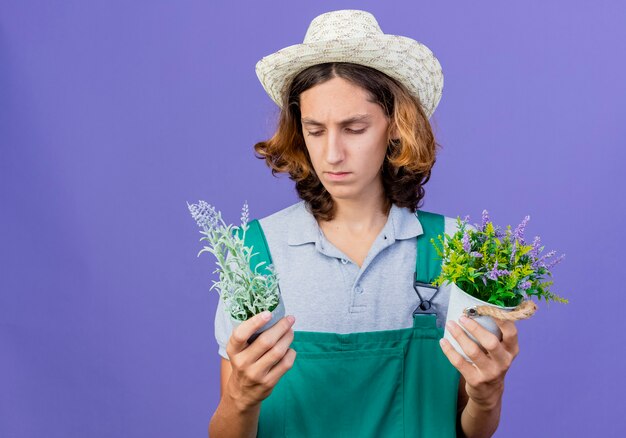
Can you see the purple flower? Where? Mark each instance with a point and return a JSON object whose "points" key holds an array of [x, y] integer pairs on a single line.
{"points": [[485, 220], [512, 259], [534, 252], [524, 285], [245, 214], [476, 254], [498, 232], [555, 261], [495, 272], [466, 242], [547, 256], [518, 234], [541, 262], [205, 215]]}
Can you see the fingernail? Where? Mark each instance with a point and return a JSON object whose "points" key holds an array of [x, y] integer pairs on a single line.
{"points": [[291, 319], [266, 315], [464, 319]]}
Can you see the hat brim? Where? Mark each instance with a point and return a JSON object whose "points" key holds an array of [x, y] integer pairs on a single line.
{"points": [[402, 58]]}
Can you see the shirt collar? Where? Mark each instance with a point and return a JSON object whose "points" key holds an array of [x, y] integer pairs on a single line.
{"points": [[303, 228]]}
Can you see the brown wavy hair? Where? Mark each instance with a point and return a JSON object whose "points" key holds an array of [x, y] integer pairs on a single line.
{"points": [[409, 159]]}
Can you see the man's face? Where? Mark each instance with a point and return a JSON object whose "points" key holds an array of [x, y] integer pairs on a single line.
{"points": [[344, 132]]}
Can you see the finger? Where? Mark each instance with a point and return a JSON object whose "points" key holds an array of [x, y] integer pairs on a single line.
{"points": [[276, 353], [259, 368], [467, 370], [488, 340], [469, 347], [238, 340], [273, 363], [265, 342], [509, 336], [284, 365]]}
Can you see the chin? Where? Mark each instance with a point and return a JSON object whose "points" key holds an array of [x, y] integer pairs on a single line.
{"points": [[341, 193]]}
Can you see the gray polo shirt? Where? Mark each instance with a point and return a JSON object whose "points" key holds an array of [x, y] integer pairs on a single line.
{"points": [[328, 292]]}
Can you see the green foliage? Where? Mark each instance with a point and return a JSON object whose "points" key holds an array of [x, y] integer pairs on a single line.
{"points": [[493, 266], [245, 292]]}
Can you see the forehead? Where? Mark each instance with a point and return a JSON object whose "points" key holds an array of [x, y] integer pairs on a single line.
{"points": [[337, 101]]}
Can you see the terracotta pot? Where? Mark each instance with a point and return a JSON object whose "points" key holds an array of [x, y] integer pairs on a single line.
{"points": [[461, 300], [277, 314]]}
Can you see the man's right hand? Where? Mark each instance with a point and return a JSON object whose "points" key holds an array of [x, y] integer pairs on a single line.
{"points": [[257, 367]]}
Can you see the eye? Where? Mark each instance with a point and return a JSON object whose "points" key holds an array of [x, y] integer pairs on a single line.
{"points": [[352, 131]]}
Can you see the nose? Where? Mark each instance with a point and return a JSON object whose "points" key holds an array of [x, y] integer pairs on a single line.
{"points": [[334, 148]]}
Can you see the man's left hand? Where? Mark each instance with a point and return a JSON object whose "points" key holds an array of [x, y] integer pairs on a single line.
{"points": [[485, 377]]}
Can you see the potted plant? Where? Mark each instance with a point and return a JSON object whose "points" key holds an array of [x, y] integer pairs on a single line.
{"points": [[244, 292], [492, 272]]}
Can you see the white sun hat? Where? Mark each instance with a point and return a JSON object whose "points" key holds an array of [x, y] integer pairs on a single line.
{"points": [[352, 35]]}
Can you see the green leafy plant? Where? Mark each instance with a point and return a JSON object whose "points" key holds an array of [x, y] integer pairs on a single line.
{"points": [[495, 266], [245, 292]]}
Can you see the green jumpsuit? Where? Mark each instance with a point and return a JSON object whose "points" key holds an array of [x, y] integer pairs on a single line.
{"points": [[388, 383]]}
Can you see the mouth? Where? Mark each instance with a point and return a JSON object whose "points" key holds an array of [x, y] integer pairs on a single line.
{"points": [[335, 176]]}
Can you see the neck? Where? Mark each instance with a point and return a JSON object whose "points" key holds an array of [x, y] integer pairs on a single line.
{"points": [[359, 216]]}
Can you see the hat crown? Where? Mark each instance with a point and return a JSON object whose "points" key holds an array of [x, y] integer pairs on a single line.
{"points": [[354, 36], [341, 25]]}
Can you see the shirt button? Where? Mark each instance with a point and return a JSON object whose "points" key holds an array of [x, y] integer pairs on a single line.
{"points": [[344, 261], [358, 289]]}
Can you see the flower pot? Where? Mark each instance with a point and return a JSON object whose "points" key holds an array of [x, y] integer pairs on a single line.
{"points": [[277, 314], [461, 300]]}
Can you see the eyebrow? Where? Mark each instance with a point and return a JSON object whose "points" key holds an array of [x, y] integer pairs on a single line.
{"points": [[357, 118]]}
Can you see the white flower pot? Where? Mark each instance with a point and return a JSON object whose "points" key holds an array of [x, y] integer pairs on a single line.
{"points": [[277, 314], [461, 300]]}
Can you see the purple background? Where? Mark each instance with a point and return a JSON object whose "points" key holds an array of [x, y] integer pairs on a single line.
{"points": [[113, 114]]}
